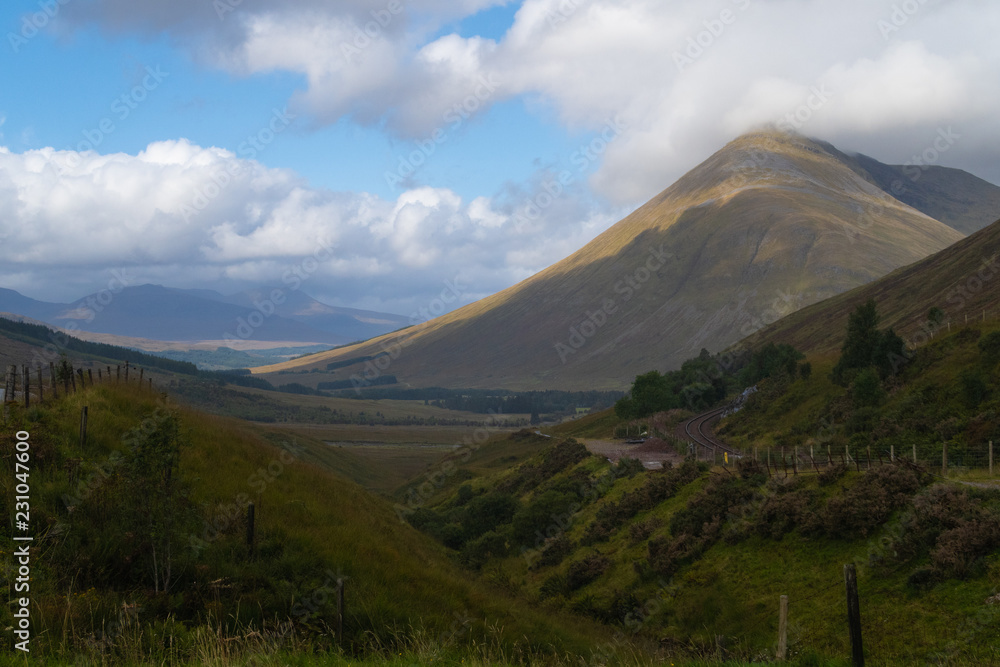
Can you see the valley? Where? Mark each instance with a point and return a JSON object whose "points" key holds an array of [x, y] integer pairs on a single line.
{"points": [[770, 371]]}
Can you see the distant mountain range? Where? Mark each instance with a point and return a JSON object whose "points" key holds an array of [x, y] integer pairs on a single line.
{"points": [[167, 314], [770, 224]]}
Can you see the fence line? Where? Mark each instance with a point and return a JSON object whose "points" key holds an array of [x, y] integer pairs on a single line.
{"points": [[27, 385], [944, 459]]}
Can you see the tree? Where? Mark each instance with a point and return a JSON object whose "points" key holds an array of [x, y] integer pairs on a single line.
{"points": [[865, 346], [805, 370], [650, 394], [866, 391], [936, 316]]}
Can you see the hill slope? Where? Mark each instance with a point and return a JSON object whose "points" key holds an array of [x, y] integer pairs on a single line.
{"points": [[960, 280], [767, 225]]}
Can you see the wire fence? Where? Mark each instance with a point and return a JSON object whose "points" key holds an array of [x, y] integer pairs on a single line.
{"points": [[28, 385]]}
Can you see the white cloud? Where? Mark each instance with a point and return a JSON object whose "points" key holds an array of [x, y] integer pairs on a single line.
{"points": [[65, 216], [686, 76]]}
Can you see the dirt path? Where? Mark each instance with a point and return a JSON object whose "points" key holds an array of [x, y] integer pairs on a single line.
{"points": [[613, 450]]}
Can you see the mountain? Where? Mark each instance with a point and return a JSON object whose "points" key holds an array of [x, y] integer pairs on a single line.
{"points": [[961, 280], [771, 223], [167, 314], [955, 197]]}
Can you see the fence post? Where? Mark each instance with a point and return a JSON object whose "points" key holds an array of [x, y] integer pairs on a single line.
{"points": [[892, 453], [914, 453], [27, 386], [869, 454], [126, 372], [854, 615], [944, 459], [9, 381], [340, 610], [250, 528], [52, 375], [90, 376], [83, 383], [141, 371], [782, 629], [83, 427], [795, 461], [72, 377], [118, 373]]}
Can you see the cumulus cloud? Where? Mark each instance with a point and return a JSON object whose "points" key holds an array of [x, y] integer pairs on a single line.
{"points": [[190, 216], [680, 78], [686, 76]]}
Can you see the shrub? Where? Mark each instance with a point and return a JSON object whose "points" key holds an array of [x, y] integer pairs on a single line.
{"points": [[582, 572], [869, 503], [487, 546]]}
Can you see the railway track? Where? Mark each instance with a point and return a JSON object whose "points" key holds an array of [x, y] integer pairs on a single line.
{"points": [[696, 429]]}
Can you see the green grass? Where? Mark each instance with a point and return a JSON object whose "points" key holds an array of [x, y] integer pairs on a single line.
{"points": [[309, 521]]}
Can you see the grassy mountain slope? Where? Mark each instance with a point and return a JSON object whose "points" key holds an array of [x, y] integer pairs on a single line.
{"points": [[769, 224], [955, 197], [94, 534], [960, 280], [699, 558]]}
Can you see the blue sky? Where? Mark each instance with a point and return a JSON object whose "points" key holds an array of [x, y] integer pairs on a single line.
{"points": [[421, 151]]}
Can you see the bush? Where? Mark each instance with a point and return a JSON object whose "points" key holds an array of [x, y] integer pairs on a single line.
{"points": [[479, 551], [869, 503], [582, 572]]}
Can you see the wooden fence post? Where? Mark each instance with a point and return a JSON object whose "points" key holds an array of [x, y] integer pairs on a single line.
{"points": [[795, 461], [83, 427], [72, 377], [782, 629], [126, 372], [944, 459], [109, 373], [83, 382], [90, 376], [141, 371], [854, 615], [340, 610], [892, 453], [250, 529], [914, 453], [118, 373], [54, 378], [10, 378]]}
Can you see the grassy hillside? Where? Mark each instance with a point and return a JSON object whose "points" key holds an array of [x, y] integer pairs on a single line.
{"points": [[698, 558], [158, 478], [960, 280], [767, 225]]}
